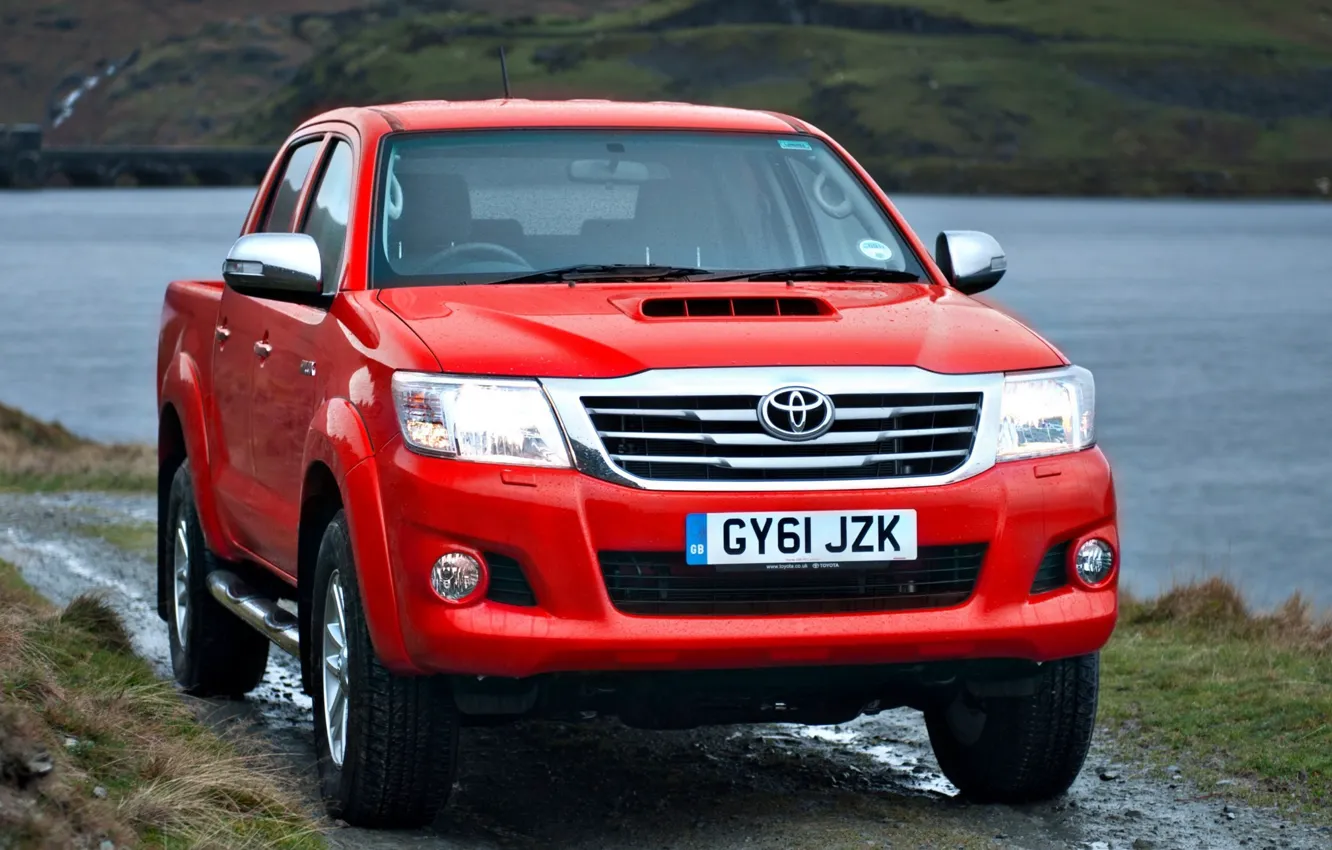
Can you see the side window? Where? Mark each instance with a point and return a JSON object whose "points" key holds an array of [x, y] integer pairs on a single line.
{"points": [[288, 192], [326, 220]]}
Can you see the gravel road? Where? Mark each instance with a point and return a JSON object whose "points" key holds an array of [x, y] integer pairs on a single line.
{"points": [[872, 783]]}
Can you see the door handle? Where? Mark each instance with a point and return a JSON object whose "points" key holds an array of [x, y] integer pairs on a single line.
{"points": [[262, 350], [222, 333]]}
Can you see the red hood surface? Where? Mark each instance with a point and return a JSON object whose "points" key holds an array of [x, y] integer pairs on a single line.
{"points": [[599, 330]]}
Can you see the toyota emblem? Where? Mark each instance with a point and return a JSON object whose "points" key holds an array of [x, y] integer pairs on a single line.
{"points": [[796, 413]]}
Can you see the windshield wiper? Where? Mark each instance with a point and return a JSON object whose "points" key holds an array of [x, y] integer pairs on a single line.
{"points": [[822, 273], [605, 271]]}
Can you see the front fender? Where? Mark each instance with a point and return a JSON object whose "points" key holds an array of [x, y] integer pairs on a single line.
{"points": [[338, 439]]}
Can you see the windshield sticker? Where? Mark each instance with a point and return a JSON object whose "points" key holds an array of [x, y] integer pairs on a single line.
{"points": [[790, 145], [875, 250]]}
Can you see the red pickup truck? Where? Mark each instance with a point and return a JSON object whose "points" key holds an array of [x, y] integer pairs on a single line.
{"points": [[515, 409]]}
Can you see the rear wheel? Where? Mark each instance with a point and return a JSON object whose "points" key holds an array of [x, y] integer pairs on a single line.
{"points": [[1019, 749], [387, 744], [213, 653]]}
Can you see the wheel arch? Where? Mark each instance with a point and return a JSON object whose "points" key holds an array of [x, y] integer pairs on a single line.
{"points": [[181, 405], [171, 453], [339, 475], [321, 499]]}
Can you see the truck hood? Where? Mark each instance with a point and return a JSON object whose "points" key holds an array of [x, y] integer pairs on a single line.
{"points": [[605, 331]]}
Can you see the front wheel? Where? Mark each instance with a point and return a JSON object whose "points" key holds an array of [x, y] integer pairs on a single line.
{"points": [[387, 744], [1019, 749]]}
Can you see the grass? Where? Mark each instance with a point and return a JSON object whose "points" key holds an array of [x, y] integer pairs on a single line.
{"points": [[1090, 97], [1194, 678], [38, 456], [95, 748], [135, 538], [1123, 97]]}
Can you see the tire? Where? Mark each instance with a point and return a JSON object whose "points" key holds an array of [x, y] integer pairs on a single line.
{"points": [[213, 652], [1022, 749], [396, 758]]}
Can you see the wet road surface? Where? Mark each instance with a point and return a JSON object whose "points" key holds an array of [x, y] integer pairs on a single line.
{"points": [[871, 783]]}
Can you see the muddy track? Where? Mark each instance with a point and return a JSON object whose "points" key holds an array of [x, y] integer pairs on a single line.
{"points": [[872, 783]]}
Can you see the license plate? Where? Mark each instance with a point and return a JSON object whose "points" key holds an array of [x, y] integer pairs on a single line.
{"points": [[820, 540]]}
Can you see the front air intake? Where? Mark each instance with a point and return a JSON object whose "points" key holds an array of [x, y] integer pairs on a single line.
{"points": [[686, 308], [508, 583], [662, 583], [1052, 573]]}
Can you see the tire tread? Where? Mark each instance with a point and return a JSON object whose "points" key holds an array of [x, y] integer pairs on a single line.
{"points": [[1031, 748], [401, 773], [223, 656]]}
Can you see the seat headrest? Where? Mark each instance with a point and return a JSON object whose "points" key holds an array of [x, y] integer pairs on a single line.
{"points": [[436, 214]]}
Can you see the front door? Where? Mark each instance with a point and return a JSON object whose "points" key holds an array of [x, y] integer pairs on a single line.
{"points": [[288, 382], [237, 351]]}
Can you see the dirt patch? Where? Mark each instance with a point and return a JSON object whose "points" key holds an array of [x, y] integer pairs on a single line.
{"points": [[873, 17]]}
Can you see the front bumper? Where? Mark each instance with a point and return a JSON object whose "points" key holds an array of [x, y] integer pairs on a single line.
{"points": [[405, 510]]}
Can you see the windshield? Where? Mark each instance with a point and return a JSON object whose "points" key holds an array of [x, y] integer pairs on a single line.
{"points": [[483, 207]]}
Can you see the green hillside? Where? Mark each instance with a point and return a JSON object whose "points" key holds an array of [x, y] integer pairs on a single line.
{"points": [[1092, 96]]}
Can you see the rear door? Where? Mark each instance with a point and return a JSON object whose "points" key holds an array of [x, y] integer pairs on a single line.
{"points": [[240, 328], [288, 384]]}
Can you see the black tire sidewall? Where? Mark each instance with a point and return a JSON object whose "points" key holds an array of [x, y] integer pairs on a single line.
{"points": [[401, 749], [984, 770], [336, 783], [222, 655], [181, 506]]}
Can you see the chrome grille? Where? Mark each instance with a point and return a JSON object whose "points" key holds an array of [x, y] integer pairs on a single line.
{"points": [[719, 438]]}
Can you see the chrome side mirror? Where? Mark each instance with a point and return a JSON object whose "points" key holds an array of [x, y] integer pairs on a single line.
{"points": [[972, 261], [274, 263]]}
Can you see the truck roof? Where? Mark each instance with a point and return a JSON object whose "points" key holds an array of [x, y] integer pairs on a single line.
{"points": [[516, 112]]}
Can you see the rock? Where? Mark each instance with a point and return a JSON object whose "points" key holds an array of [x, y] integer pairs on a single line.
{"points": [[38, 765], [1133, 814], [1143, 844], [1108, 775], [99, 792], [71, 743]]}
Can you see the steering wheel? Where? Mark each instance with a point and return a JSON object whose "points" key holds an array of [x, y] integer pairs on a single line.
{"points": [[838, 211], [469, 251]]}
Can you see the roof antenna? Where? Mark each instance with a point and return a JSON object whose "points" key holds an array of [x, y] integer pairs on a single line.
{"points": [[504, 70]]}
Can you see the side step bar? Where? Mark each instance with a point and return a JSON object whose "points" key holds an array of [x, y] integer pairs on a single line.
{"points": [[277, 624]]}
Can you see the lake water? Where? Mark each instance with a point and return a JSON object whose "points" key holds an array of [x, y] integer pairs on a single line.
{"points": [[1208, 326]]}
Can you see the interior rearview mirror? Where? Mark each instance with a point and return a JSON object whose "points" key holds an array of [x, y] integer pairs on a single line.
{"points": [[972, 261], [274, 263], [608, 171]]}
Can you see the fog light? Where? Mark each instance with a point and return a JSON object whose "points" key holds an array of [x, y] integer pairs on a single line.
{"points": [[1094, 562], [456, 576]]}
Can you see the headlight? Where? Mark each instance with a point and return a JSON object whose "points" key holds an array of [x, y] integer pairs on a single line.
{"points": [[1047, 413], [491, 420]]}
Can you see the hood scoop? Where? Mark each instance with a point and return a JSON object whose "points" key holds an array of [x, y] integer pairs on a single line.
{"points": [[740, 307]]}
